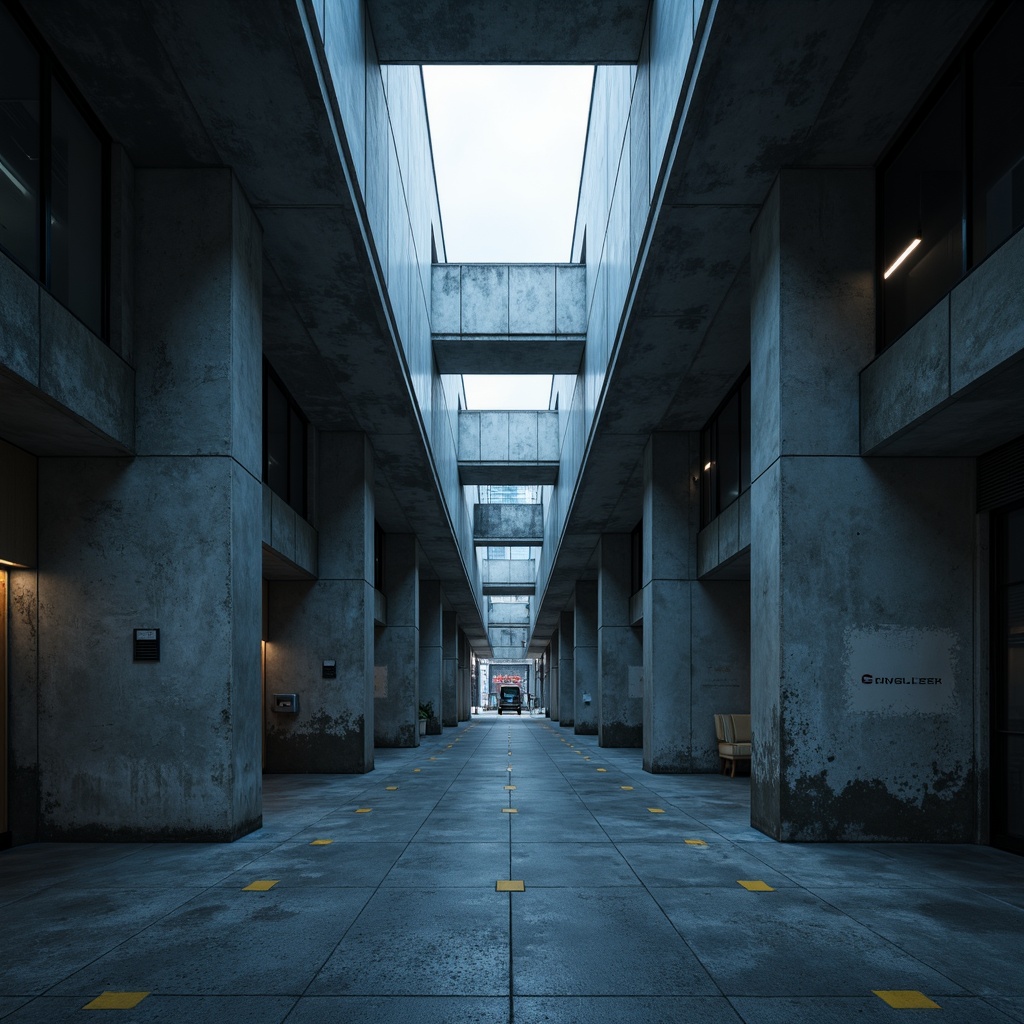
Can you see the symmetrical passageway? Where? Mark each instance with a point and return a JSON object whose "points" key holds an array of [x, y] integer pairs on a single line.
{"points": [[627, 897]]}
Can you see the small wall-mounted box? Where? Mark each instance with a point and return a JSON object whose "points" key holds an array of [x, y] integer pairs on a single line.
{"points": [[286, 703]]}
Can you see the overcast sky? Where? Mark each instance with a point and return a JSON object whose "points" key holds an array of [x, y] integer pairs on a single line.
{"points": [[508, 151]]}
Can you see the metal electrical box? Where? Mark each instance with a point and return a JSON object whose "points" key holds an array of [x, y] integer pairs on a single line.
{"points": [[286, 703]]}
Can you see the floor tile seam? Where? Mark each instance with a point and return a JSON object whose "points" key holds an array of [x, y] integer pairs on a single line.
{"points": [[889, 942]]}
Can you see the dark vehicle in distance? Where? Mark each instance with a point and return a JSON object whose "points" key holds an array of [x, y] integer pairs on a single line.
{"points": [[510, 698]]}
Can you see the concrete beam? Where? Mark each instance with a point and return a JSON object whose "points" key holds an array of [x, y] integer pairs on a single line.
{"points": [[495, 318], [509, 576], [527, 32], [511, 525], [502, 447]]}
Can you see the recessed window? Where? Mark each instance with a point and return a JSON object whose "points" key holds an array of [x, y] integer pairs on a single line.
{"points": [[952, 191], [284, 442], [725, 452], [53, 175]]}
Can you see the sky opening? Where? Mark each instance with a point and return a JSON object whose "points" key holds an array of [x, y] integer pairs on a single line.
{"points": [[508, 154]]}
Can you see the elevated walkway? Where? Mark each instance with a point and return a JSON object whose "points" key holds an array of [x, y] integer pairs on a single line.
{"points": [[512, 447]]}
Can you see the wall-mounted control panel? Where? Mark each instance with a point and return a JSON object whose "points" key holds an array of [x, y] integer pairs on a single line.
{"points": [[286, 703]]}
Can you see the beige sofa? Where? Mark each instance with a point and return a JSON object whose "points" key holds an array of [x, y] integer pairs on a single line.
{"points": [[733, 732]]}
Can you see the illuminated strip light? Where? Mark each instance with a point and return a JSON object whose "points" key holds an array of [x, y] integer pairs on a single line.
{"points": [[902, 256], [13, 179]]}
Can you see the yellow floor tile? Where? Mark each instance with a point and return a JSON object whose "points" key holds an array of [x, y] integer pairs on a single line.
{"points": [[262, 885], [363, 810], [116, 1001], [509, 810], [655, 810], [321, 842], [756, 886], [906, 999], [510, 885], [695, 842]]}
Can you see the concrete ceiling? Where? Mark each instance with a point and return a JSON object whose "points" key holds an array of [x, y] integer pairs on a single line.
{"points": [[500, 32]]}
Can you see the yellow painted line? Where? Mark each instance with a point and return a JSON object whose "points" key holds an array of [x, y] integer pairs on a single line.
{"points": [[321, 842], [116, 1001], [391, 789], [509, 810], [262, 885], [906, 999], [363, 810], [756, 886], [625, 787], [510, 885], [695, 842], [510, 787], [600, 769], [431, 758], [417, 769], [655, 810]]}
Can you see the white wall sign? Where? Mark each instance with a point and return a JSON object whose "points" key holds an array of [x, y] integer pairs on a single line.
{"points": [[893, 670]]}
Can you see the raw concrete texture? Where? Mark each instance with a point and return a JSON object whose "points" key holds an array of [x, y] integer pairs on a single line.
{"points": [[430, 657], [867, 591], [500, 525], [450, 669], [586, 687], [566, 698], [397, 649], [619, 649], [112, 533]]}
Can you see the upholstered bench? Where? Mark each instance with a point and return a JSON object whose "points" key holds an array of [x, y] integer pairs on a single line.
{"points": [[733, 732]]}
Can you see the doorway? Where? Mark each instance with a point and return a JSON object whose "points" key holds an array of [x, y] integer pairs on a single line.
{"points": [[1007, 761]]}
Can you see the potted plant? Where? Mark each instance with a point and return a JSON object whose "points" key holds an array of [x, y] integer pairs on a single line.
{"points": [[426, 713]]}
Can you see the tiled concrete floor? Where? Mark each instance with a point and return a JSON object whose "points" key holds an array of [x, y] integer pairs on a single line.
{"points": [[397, 918]]}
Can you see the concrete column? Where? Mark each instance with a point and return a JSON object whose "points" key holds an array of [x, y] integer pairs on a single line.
{"points": [[452, 695], [586, 689], [168, 540], [566, 670], [430, 646], [552, 658], [619, 649], [861, 570], [696, 635], [329, 620], [468, 684], [396, 686]]}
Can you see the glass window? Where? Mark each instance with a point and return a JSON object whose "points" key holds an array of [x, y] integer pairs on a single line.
{"points": [[19, 145], [998, 137], [276, 438], [76, 212], [725, 452], [728, 460], [922, 212]]}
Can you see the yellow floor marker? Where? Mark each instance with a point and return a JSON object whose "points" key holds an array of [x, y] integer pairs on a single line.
{"points": [[391, 789], [431, 758], [906, 999], [756, 886], [510, 885], [510, 787], [655, 810], [695, 842], [625, 787], [600, 769], [363, 810], [509, 810], [262, 885], [417, 769], [116, 1001], [321, 842]]}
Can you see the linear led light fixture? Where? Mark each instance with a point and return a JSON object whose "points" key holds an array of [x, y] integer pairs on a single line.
{"points": [[902, 256]]}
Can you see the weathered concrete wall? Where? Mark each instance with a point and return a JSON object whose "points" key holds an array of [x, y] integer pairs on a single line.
{"points": [[564, 701], [696, 636], [168, 540], [508, 447], [397, 646], [287, 535], [861, 570], [430, 668], [451, 697], [619, 649], [587, 683], [515, 525], [489, 318], [330, 619]]}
